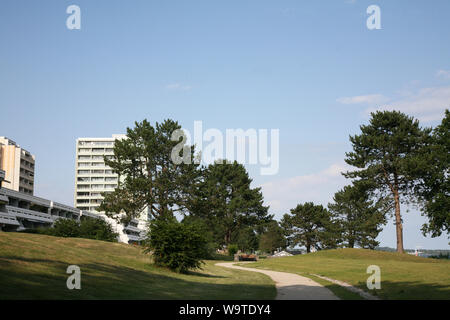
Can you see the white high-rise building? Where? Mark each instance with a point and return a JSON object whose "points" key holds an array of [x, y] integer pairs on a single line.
{"points": [[93, 177]]}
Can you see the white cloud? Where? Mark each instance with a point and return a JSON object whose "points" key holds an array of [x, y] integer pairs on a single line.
{"points": [[178, 86], [285, 194], [443, 73], [426, 104], [367, 99]]}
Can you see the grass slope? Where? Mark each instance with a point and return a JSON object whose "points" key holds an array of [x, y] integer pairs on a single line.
{"points": [[34, 267], [402, 276]]}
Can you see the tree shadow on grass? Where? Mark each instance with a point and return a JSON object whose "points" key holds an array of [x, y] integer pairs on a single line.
{"points": [[28, 278], [204, 275], [409, 290]]}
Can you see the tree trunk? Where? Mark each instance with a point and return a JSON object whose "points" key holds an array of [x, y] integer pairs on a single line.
{"points": [[398, 222], [308, 247], [351, 244], [227, 237]]}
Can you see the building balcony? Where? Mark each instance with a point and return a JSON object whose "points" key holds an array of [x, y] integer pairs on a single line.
{"points": [[26, 197], [7, 218], [132, 237], [29, 214], [132, 228]]}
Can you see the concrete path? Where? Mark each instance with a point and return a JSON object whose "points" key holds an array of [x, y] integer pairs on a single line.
{"points": [[291, 286]]}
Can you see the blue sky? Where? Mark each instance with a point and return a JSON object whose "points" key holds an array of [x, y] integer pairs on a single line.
{"points": [[309, 68]]}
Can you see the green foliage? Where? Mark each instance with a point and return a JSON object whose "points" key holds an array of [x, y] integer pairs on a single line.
{"points": [[309, 225], [272, 237], [359, 218], [97, 229], [435, 189], [389, 155], [65, 228], [246, 239], [211, 246], [149, 176], [176, 245], [229, 205], [232, 249]]}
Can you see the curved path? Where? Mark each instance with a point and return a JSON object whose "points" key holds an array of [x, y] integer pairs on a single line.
{"points": [[291, 286]]}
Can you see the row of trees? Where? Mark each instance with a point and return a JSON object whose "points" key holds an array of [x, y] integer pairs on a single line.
{"points": [[397, 163], [352, 220], [219, 196]]}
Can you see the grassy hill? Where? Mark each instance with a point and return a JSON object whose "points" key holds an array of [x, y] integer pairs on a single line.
{"points": [[34, 267], [402, 276]]}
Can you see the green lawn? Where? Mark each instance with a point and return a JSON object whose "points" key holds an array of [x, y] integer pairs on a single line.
{"points": [[34, 267], [402, 276]]}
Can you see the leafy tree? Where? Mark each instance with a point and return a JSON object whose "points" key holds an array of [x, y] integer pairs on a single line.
{"points": [[65, 228], [435, 190], [97, 229], [359, 218], [176, 245], [387, 153], [228, 203], [272, 237], [308, 225], [246, 239], [207, 233], [148, 175]]}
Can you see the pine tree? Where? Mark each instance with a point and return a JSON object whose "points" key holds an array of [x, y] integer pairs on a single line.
{"points": [[148, 176], [360, 218], [388, 155], [309, 225], [228, 202]]}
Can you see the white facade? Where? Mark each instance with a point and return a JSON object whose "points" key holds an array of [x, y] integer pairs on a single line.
{"points": [[93, 177]]}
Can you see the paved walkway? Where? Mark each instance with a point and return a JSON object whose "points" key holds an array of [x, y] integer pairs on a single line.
{"points": [[291, 286]]}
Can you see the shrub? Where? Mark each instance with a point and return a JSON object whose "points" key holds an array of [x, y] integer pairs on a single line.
{"points": [[232, 249], [97, 229], [65, 228], [175, 245]]}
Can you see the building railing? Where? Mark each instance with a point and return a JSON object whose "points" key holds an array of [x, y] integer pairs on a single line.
{"points": [[22, 196], [29, 214], [67, 208], [7, 218]]}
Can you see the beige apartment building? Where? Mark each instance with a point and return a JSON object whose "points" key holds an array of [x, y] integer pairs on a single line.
{"points": [[18, 165]]}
